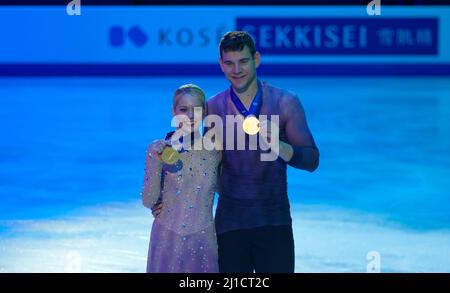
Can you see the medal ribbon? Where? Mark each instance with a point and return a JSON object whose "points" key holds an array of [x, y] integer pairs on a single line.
{"points": [[255, 106]]}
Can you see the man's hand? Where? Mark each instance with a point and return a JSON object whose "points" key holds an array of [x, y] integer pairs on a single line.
{"points": [[156, 209], [285, 150]]}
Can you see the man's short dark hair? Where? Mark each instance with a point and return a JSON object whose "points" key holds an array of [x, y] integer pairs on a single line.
{"points": [[236, 41]]}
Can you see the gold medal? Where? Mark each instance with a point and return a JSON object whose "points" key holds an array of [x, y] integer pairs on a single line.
{"points": [[251, 125], [170, 156]]}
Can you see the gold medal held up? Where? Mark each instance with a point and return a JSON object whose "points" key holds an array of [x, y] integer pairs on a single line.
{"points": [[251, 125], [170, 156]]}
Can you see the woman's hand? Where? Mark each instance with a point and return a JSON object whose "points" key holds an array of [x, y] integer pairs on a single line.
{"points": [[157, 147]]}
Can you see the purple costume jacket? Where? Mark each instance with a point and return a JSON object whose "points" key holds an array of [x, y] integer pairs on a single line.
{"points": [[253, 193]]}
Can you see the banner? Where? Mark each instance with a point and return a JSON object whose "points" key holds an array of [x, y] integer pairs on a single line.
{"points": [[142, 40]]}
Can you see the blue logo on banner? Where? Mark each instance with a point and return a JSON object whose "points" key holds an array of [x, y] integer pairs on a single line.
{"points": [[136, 35], [342, 36]]}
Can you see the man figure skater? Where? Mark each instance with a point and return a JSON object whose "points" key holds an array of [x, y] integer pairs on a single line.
{"points": [[253, 221]]}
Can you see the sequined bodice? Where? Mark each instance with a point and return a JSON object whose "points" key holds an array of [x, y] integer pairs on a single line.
{"points": [[188, 192]]}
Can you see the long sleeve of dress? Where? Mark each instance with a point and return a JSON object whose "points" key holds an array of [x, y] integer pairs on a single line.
{"points": [[151, 188], [306, 153]]}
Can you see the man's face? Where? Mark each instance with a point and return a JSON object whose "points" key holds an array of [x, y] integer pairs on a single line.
{"points": [[239, 68]]}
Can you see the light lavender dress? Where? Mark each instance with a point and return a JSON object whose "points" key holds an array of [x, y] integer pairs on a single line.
{"points": [[183, 237]]}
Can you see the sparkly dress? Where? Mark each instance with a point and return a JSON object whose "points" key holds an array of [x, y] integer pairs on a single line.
{"points": [[183, 237]]}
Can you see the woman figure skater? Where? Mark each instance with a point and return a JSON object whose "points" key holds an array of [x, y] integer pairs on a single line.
{"points": [[183, 238]]}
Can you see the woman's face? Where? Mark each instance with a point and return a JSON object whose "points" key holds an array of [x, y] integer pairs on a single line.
{"points": [[190, 109]]}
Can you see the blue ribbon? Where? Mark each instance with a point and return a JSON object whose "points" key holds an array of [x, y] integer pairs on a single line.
{"points": [[255, 106]]}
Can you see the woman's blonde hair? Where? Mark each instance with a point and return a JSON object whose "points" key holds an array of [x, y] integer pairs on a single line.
{"points": [[191, 89]]}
